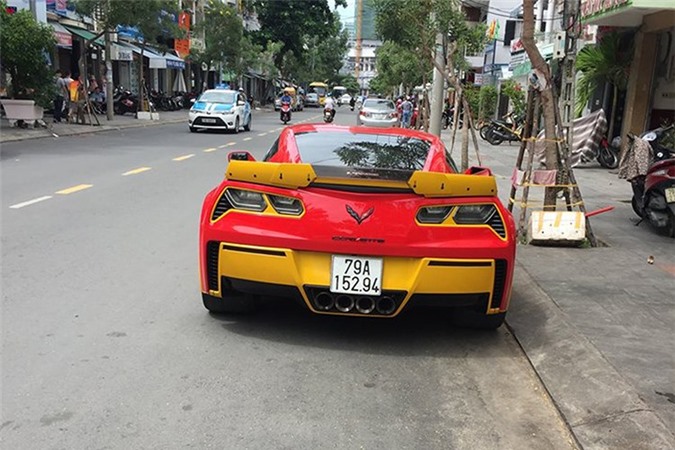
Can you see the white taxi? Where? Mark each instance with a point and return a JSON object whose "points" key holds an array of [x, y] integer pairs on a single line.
{"points": [[220, 109]]}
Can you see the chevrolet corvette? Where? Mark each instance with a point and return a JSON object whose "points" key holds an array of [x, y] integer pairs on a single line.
{"points": [[357, 221]]}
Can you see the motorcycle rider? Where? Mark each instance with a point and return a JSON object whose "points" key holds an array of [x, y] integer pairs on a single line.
{"points": [[286, 98], [329, 105]]}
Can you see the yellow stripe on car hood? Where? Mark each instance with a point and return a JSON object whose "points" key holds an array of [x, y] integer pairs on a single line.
{"points": [[298, 175]]}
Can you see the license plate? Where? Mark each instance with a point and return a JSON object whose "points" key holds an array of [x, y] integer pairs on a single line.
{"points": [[670, 195], [378, 116], [356, 275], [209, 120]]}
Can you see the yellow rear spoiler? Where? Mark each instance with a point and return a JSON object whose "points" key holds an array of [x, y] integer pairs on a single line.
{"points": [[428, 184]]}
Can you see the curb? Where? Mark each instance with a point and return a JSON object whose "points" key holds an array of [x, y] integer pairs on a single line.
{"points": [[601, 409], [50, 132]]}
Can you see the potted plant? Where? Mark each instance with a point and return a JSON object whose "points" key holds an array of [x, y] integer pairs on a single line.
{"points": [[24, 46]]}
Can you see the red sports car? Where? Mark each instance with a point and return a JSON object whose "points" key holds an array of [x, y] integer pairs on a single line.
{"points": [[359, 222]]}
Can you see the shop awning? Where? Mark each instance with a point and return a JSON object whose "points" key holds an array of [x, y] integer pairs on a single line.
{"points": [[63, 36], [157, 61], [86, 35]]}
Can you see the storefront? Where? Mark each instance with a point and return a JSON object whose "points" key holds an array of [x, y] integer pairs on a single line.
{"points": [[64, 46], [650, 96]]}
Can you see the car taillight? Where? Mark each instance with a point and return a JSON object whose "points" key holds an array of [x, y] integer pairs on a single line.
{"points": [[286, 205], [433, 214], [474, 214], [364, 114], [246, 200]]}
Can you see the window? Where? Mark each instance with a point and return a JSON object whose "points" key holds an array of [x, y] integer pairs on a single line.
{"points": [[362, 155]]}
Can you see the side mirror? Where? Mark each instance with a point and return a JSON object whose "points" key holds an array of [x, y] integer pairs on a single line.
{"points": [[241, 103], [193, 100], [240, 155]]}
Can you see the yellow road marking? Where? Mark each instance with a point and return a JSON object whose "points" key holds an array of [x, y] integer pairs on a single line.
{"points": [[247, 139], [184, 157], [229, 144], [135, 171], [262, 134], [208, 150], [70, 190]]}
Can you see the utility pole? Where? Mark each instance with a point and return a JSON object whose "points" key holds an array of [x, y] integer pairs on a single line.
{"points": [[359, 23], [437, 86]]}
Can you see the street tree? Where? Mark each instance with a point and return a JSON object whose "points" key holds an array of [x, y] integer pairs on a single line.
{"points": [[225, 45], [155, 20], [416, 25], [24, 44], [309, 31], [398, 65]]}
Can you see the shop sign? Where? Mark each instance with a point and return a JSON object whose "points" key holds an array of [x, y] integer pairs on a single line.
{"points": [[173, 64], [63, 39], [121, 54], [517, 46], [478, 79], [197, 44], [593, 7], [182, 46]]}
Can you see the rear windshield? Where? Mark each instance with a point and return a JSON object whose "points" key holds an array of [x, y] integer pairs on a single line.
{"points": [[378, 104], [362, 155]]}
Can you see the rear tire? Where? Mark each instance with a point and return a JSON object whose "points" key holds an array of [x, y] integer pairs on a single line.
{"points": [[229, 304], [492, 139], [484, 131], [477, 320], [607, 158], [636, 208]]}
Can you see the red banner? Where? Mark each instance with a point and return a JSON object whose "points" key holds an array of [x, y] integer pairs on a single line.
{"points": [[182, 46]]}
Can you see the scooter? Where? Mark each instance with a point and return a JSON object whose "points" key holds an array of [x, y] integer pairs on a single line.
{"points": [[328, 115], [654, 192], [285, 114], [124, 101], [607, 154], [499, 131]]}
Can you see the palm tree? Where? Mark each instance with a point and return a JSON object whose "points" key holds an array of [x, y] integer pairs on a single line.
{"points": [[608, 61]]}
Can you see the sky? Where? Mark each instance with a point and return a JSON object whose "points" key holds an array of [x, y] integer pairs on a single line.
{"points": [[347, 14]]}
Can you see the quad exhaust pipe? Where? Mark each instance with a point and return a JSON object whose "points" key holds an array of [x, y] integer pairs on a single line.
{"points": [[325, 301], [365, 305], [385, 305]]}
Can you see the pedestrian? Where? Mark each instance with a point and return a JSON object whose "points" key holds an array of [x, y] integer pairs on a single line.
{"points": [[406, 109], [59, 97], [66, 95]]}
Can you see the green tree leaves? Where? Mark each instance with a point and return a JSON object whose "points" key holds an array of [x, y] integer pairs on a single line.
{"points": [[24, 46]]}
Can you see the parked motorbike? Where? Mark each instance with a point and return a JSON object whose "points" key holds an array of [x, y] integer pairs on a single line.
{"points": [[124, 101], [653, 192], [285, 114], [448, 118], [498, 131], [608, 153], [328, 115]]}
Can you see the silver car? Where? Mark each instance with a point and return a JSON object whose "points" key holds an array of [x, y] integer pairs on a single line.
{"points": [[377, 112]]}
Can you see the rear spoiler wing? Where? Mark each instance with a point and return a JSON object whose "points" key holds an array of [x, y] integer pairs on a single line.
{"points": [[300, 175]]}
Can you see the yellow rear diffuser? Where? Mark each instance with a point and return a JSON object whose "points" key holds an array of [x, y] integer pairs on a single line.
{"points": [[297, 175]]}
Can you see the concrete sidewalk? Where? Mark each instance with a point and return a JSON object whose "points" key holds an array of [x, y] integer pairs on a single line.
{"points": [[9, 133], [597, 323]]}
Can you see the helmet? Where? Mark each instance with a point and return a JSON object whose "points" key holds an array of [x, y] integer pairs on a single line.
{"points": [[241, 89]]}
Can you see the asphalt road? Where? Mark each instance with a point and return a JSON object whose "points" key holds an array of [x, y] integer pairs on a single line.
{"points": [[106, 343]]}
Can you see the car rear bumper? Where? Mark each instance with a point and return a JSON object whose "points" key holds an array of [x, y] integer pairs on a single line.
{"points": [[379, 123], [484, 283]]}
